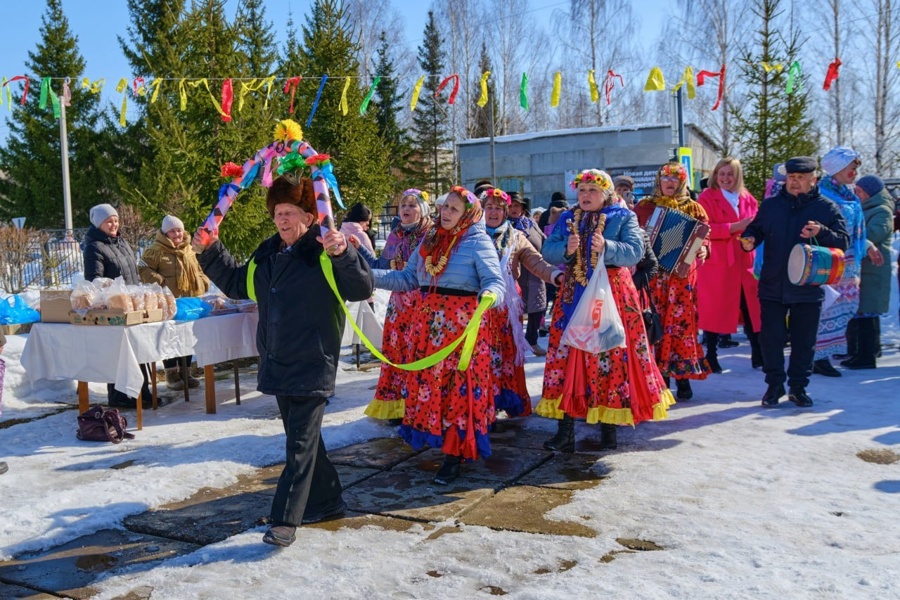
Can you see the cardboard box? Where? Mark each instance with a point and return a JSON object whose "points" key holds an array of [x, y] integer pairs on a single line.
{"points": [[17, 328], [114, 316], [55, 306]]}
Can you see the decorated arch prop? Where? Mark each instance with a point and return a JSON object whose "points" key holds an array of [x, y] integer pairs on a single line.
{"points": [[291, 153]]}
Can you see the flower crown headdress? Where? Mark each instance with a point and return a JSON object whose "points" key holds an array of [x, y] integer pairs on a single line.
{"points": [[674, 170], [415, 192], [467, 196], [595, 176], [496, 194]]}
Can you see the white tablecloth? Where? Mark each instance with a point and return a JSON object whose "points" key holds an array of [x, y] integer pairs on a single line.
{"points": [[113, 354]]}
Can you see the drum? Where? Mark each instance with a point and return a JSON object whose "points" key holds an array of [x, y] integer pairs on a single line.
{"points": [[815, 265]]}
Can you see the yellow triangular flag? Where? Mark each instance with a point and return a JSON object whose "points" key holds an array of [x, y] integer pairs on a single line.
{"points": [[687, 80], [655, 81], [778, 67]]}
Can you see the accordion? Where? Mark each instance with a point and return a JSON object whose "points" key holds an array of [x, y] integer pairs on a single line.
{"points": [[676, 238]]}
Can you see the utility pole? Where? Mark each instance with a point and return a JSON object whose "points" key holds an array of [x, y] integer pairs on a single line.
{"points": [[677, 122], [64, 145], [493, 158]]}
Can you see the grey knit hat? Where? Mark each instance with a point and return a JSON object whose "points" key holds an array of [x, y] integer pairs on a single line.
{"points": [[102, 212]]}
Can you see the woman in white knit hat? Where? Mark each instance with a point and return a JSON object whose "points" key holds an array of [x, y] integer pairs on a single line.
{"points": [[170, 261]]}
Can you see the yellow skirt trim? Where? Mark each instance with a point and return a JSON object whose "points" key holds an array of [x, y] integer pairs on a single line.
{"points": [[549, 407], [386, 409]]}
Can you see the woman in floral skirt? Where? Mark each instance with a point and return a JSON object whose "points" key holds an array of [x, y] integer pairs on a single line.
{"points": [[678, 354], [622, 385], [415, 219], [454, 267]]}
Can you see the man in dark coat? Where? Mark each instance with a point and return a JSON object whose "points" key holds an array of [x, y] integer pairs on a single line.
{"points": [[793, 216], [299, 341]]}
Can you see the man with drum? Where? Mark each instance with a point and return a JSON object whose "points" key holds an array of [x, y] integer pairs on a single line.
{"points": [[798, 214]]}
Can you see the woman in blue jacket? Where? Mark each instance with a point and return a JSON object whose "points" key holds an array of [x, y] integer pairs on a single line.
{"points": [[454, 266]]}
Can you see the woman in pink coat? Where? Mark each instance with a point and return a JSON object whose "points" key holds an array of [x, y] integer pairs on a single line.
{"points": [[726, 288]]}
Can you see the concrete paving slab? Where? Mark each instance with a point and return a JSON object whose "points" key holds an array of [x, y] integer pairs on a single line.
{"points": [[358, 521], [209, 516], [411, 494], [380, 453], [522, 508], [505, 465], [568, 472], [70, 569], [15, 592]]}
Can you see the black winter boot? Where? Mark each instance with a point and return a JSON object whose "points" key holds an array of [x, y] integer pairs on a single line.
{"points": [[608, 437], [564, 440], [449, 471], [865, 356], [712, 351], [684, 391], [877, 337], [852, 341]]}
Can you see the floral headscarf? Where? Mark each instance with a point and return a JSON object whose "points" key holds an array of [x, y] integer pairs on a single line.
{"points": [[439, 243]]}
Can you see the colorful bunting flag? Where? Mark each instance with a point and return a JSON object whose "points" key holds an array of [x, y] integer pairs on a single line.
{"points": [[417, 89], [655, 81], [316, 101], [484, 89], [832, 74], [290, 86], [592, 85], [365, 103], [687, 80], [701, 79], [344, 106], [610, 84], [523, 92], [795, 73], [557, 88], [452, 98]]}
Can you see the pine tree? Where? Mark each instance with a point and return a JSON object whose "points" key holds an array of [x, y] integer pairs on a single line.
{"points": [[430, 119], [772, 125], [361, 159], [31, 157], [481, 124], [388, 101], [179, 171]]}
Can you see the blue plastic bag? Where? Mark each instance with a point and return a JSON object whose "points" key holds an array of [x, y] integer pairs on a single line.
{"points": [[17, 311], [190, 309]]}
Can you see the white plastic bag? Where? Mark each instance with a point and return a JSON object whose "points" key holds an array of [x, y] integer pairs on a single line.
{"points": [[595, 325]]}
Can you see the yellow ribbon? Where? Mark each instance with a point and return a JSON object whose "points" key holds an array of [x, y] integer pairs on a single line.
{"points": [[655, 81], [345, 107], [93, 86], [592, 84], [484, 89], [205, 83], [557, 86], [182, 95], [5, 87], [687, 80], [246, 88], [417, 89], [155, 85], [469, 335], [122, 86], [777, 67]]}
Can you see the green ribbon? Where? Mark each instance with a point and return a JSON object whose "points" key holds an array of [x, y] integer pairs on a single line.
{"points": [[523, 92], [47, 91], [368, 98], [469, 335], [795, 72]]}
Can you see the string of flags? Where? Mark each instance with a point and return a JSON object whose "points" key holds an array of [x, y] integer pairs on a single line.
{"points": [[225, 99]]}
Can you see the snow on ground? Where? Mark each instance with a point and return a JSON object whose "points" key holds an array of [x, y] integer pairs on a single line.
{"points": [[746, 502]]}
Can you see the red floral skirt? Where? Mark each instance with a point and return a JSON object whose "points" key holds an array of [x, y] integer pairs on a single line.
{"points": [[678, 353], [510, 391], [390, 393], [622, 386], [447, 408]]}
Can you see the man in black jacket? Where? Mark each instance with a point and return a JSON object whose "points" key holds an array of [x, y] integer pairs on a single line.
{"points": [[299, 341], [793, 216]]}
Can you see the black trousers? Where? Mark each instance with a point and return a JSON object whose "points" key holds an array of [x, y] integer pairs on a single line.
{"points": [[801, 319], [171, 363], [309, 478], [534, 324], [115, 396]]}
